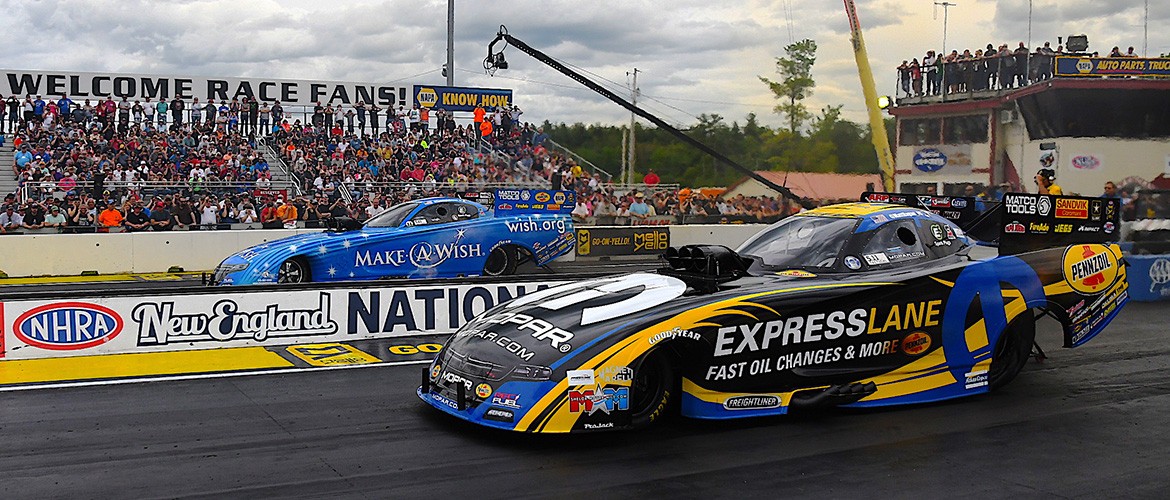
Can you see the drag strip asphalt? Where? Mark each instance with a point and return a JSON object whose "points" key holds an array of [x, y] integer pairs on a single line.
{"points": [[1087, 423]]}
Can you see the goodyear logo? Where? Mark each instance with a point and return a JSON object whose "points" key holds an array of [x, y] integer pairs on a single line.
{"points": [[427, 97], [1072, 209], [1090, 269]]}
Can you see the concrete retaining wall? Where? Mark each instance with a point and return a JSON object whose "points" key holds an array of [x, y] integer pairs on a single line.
{"points": [[71, 254]]}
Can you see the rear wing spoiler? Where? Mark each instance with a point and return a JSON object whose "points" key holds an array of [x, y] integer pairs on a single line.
{"points": [[1022, 222], [533, 201]]}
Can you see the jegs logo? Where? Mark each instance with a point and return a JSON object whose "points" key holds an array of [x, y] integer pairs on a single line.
{"points": [[67, 326]]}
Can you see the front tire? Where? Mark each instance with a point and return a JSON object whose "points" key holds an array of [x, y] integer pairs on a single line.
{"points": [[294, 270], [502, 261], [652, 391], [1012, 351]]}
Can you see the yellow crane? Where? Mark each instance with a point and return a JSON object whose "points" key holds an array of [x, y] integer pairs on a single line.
{"points": [[873, 103]]}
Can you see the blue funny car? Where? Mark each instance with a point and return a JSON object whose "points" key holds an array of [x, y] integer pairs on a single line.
{"points": [[428, 238]]}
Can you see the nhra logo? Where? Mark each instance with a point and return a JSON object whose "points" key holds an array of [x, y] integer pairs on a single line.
{"points": [[605, 400], [1015, 227], [1085, 162], [427, 97], [1090, 269], [67, 326], [752, 402]]}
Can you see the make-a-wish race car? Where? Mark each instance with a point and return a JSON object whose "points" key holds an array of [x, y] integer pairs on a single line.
{"points": [[428, 238], [858, 305]]}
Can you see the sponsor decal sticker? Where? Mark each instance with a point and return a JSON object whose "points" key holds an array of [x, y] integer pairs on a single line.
{"points": [[1063, 228], [542, 197], [937, 231], [435, 370], [331, 355], [974, 380], [916, 343], [959, 203], [605, 425], [1041, 228], [1090, 269], [1020, 204], [1072, 209], [852, 263], [600, 399], [796, 273], [752, 402], [580, 377], [483, 390], [677, 332], [615, 375], [67, 326], [499, 415], [876, 259], [1015, 228], [1043, 206], [506, 400]]}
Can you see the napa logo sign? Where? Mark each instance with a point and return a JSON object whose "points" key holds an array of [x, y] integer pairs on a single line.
{"points": [[461, 98], [67, 326]]}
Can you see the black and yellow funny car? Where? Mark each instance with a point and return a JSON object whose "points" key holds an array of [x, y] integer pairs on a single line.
{"points": [[860, 304]]}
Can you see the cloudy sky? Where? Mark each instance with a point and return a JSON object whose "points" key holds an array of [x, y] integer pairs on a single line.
{"points": [[694, 56]]}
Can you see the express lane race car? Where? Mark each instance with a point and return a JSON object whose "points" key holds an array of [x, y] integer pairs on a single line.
{"points": [[848, 305], [428, 238]]}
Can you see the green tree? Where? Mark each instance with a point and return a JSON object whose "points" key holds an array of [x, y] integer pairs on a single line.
{"points": [[796, 82]]}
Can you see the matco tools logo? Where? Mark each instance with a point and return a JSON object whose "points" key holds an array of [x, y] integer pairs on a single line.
{"points": [[1090, 269]]}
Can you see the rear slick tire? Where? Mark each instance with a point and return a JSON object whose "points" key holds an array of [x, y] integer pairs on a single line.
{"points": [[501, 262], [652, 391], [1012, 351]]}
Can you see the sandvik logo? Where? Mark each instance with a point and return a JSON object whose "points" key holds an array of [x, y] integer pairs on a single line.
{"points": [[67, 326]]}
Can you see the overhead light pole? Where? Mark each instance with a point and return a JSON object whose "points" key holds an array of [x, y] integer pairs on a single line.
{"points": [[450, 43]]}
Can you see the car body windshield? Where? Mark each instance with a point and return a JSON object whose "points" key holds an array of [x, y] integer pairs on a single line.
{"points": [[392, 217], [801, 241]]}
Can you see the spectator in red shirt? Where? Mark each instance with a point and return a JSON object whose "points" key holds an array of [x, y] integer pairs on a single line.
{"points": [[651, 178]]}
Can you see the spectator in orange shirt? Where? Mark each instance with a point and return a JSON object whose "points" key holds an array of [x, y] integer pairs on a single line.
{"points": [[479, 112], [110, 217], [287, 212]]}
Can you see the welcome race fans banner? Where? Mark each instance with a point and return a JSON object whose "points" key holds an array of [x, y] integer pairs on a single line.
{"points": [[460, 98], [81, 86], [1104, 66]]}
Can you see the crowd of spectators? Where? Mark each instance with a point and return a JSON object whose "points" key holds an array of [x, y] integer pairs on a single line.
{"points": [[991, 68], [166, 165]]}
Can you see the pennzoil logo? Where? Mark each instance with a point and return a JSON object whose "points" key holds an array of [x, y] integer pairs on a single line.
{"points": [[916, 343], [1090, 269]]}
